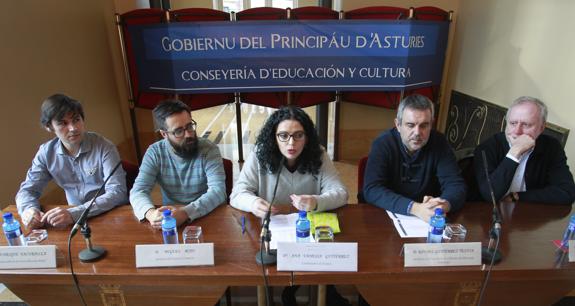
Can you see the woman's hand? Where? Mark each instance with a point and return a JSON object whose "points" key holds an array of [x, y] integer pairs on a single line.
{"points": [[304, 202]]}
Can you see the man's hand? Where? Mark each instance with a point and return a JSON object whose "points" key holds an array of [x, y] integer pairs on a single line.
{"points": [[260, 207], [57, 217], [438, 203], [180, 214], [304, 202], [521, 145], [154, 216], [32, 218], [423, 211], [426, 210]]}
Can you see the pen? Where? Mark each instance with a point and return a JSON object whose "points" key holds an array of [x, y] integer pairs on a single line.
{"points": [[243, 225], [399, 223], [401, 226]]}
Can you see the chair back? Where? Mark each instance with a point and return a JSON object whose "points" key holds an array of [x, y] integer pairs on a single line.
{"points": [[360, 172], [229, 170], [131, 173], [465, 162]]}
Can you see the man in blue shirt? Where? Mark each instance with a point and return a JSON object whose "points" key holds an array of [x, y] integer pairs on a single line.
{"points": [[189, 169], [411, 169], [77, 160]]}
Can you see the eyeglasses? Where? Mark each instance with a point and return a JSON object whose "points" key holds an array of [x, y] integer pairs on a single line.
{"points": [[284, 136], [179, 132]]}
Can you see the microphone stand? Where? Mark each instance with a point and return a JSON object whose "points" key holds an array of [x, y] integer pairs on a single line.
{"points": [[491, 254], [267, 256], [91, 253]]}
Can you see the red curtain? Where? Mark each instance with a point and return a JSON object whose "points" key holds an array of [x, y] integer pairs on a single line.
{"points": [[142, 16]]}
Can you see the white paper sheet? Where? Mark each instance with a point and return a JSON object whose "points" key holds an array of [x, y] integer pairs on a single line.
{"points": [[283, 229], [409, 226]]}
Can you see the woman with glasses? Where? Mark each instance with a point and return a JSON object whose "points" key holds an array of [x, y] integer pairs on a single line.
{"points": [[287, 151]]}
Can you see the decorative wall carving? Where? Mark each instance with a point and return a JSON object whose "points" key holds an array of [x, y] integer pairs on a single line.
{"points": [[471, 121]]}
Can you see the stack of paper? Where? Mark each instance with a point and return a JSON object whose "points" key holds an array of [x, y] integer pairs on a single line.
{"points": [[409, 226], [283, 229]]}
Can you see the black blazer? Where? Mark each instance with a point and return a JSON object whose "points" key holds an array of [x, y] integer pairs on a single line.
{"points": [[547, 176]]}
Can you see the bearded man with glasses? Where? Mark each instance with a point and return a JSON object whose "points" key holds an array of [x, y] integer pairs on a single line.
{"points": [[188, 169]]}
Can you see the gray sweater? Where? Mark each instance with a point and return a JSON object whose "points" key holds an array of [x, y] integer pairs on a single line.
{"points": [[254, 183]]}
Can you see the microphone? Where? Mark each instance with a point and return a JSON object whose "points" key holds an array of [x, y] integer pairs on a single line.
{"points": [[269, 256], [92, 253], [84, 214], [491, 253]]}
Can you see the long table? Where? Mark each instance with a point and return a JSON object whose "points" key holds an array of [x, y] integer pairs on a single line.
{"points": [[527, 275], [115, 280]]}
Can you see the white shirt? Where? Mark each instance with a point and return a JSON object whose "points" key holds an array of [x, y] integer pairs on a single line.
{"points": [[518, 182]]}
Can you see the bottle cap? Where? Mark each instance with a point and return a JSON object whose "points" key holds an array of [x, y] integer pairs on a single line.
{"points": [[302, 213], [438, 211], [167, 212], [7, 215]]}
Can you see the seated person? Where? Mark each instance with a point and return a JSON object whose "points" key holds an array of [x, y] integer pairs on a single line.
{"points": [[189, 169], [522, 163], [287, 149], [78, 161], [411, 169]]}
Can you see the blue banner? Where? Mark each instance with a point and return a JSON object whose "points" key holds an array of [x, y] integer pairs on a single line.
{"points": [[289, 55]]}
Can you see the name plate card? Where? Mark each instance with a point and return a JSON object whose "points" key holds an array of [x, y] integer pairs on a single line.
{"points": [[571, 250], [174, 255], [28, 257], [442, 254], [328, 257]]}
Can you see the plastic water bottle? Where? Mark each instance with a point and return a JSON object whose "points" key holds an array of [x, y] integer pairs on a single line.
{"points": [[169, 228], [12, 230], [569, 233], [436, 227], [302, 227]]}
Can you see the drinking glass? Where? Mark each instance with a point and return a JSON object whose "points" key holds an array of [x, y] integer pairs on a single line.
{"points": [[193, 234]]}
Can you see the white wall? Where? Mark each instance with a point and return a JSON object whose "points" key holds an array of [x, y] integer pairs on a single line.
{"points": [[48, 47], [506, 49]]}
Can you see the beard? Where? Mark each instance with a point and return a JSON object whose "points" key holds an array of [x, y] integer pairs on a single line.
{"points": [[188, 149]]}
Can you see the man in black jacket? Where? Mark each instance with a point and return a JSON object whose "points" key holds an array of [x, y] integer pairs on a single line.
{"points": [[411, 169], [523, 164]]}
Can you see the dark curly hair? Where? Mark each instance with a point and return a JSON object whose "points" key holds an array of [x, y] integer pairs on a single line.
{"points": [[268, 153]]}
